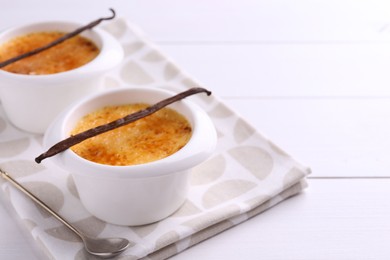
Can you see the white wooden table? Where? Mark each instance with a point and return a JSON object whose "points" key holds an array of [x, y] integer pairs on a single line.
{"points": [[312, 75]]}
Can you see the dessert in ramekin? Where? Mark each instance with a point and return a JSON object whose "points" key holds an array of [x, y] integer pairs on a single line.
{"points": [[31, 102], [135, 194]]}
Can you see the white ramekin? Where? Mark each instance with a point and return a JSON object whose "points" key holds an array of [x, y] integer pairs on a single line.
{"points": [[31, 102], [138, 194]]}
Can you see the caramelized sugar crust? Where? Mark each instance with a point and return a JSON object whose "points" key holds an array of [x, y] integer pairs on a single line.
{"points": [[145, 140], [65, 56]]}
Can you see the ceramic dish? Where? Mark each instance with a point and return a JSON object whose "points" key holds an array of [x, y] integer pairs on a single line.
{"points": [[137, 194], [31, 102]]}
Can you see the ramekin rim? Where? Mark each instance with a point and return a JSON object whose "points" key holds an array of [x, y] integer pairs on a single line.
{"points": [[151, 169], [76, 73]]}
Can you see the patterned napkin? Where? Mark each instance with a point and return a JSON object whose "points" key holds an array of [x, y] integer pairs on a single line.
{"points": [[246, 175]]}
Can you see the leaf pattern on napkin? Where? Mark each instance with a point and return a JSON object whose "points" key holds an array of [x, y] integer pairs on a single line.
{"points": [[210, 218], [258, 200], [210, 231], [110, 82], [132, 73], [90, 226], [72, 186], [48, 193], [221, 111], [133, 47], [21, 168], [43, 246], [225, 191], [163, 253], [208, 171], [166, 239], [153, 56], [14, 147], [255, 159], [118, 30], [260, 208], [293, 190], [242, 131], [292, 176], [30, 224], [190, 83], [187, 209], [143, 231], [170, 71], [277, 149]]}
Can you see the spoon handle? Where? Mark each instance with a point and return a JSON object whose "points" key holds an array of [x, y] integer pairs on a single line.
{"points": [[6, 176]]}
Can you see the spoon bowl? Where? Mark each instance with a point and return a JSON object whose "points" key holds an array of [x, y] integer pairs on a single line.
{"points": [[105, 247]]}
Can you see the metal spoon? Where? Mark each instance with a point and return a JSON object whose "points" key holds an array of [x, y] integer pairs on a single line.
{"points": [[102, 247]]}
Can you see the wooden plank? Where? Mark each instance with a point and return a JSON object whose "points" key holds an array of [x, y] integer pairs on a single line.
{"points": [[228, 21], [336, 137], [333, 219], [292, 70]]}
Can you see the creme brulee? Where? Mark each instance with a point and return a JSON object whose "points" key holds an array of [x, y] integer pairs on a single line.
{"points": [[65, 56], [145, 140]]}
